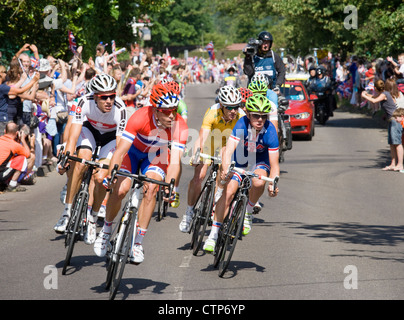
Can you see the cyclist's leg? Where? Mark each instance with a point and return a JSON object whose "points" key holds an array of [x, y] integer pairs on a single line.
{"points": [[105, 156], [222, 208], [194, 189], [256, 191]]}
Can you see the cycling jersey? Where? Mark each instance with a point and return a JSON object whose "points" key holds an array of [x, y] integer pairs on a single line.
{"points": [[150, 143], [102, 121], [220, 130], [183, 109], [272, 96], [253, 148], [99, 128]]}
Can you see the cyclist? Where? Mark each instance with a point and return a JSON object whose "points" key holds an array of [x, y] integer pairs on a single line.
{"points": [[144, 146], [262, 85], [217, 125], [254, 143], [100, 119]]}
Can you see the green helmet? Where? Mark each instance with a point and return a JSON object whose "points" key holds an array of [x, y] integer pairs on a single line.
{"points": [[258, 87], [259, 103]]}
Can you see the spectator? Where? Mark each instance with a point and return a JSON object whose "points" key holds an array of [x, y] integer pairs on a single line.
{"points": [[398, 67], [5, 91], [14, 152], [385, 95]]}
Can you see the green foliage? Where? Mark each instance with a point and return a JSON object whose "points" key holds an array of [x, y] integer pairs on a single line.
{"points": [[306, 24], [90, 22]]}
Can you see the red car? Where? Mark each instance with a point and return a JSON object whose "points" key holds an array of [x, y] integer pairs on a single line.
{"points": [[301, 109]]}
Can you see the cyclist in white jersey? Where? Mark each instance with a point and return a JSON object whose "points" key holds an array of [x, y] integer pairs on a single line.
{"points": [[99, 119]]}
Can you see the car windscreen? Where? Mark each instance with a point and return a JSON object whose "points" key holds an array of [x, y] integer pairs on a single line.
{"points": [[292, 92]]}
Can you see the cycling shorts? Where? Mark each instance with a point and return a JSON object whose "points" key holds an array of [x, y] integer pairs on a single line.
{"points": [[89, 139], [260, 165], [145, 162]]}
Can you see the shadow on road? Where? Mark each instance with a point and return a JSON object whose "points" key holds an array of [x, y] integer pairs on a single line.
{"points": [[357, 234]]}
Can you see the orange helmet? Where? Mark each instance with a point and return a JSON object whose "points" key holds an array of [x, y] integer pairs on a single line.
{"points": [[163, 97], [173, 86]]}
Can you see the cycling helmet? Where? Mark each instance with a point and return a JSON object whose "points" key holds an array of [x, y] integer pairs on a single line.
{"points": [[163, 97], [259, 103], [258, 87], [103, 83], [245, 93], [229, 96], [88, 87], [173, 86]]}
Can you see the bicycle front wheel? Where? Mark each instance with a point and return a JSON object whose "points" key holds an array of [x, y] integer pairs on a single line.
{"points": [[76, 223], [231, 234], [122, 252], [202, 213]]}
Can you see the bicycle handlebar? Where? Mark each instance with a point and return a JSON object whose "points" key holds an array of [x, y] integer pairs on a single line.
{"points": [[232, 167], [62, 159], [142, 178], [199, 154]]}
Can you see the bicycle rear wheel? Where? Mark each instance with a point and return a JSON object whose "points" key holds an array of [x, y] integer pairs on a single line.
{"points": [[203, 212], [122, 252], [231, 234], [75, 225]]}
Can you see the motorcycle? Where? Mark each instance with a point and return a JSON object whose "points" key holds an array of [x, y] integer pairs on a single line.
{"points": [[321, 104], [284, 128]]}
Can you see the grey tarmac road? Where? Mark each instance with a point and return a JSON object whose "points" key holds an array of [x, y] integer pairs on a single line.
{"points": [[335, 231]]}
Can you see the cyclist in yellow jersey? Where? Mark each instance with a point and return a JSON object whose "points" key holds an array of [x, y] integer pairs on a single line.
{"points": [[217, 126]]}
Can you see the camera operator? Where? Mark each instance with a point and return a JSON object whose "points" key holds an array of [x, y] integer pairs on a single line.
{"points": [[14, 151], [259, 58]]}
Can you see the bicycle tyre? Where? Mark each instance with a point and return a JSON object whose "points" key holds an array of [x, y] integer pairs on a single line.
{"points": [[195, 222], [233, 234], [202, 222], [111, 265], [78, 215], [123, 253], [160, 205]]}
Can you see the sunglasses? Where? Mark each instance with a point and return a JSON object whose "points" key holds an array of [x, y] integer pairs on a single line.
{"points": [[230, 108], [106, 96], [256, 116], [167, 112]]}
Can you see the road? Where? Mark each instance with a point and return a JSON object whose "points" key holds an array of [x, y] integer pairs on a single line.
{"points": [[335, 231]]}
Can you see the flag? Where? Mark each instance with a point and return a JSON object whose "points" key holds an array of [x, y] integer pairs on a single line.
{"points": [[211, 50], [72, 42], [34, 63], [168, 57], [113, 51]]}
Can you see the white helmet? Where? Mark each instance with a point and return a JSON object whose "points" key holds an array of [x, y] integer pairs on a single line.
{"points": [[260, 77], [229, 96], [88, 87], [103, 83]]}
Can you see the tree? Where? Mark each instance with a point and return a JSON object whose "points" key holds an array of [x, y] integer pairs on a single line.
{"points": [[90, 22]]}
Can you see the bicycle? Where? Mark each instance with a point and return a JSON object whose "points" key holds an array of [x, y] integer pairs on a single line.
{"points": [[231, 229], [204, 204], [125, 232], [77, 224]]}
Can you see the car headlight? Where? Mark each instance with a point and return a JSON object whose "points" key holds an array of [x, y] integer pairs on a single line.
{"points": [[303, 115]]}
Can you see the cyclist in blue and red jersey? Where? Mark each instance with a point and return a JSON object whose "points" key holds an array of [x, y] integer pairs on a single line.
{"points": [[144, 146], [254, 144]]}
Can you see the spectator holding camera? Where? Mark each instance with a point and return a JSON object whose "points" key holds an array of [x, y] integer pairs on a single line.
{"points": [[14, 152], [260, 58]]}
